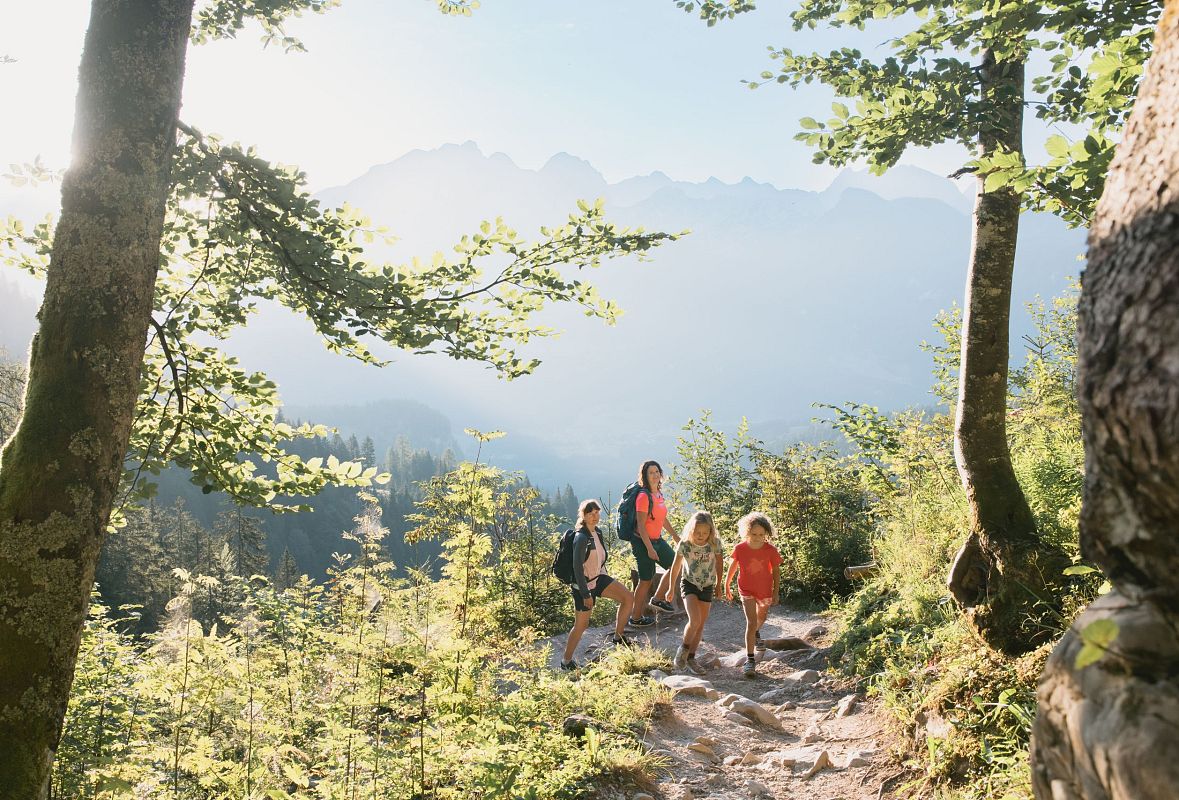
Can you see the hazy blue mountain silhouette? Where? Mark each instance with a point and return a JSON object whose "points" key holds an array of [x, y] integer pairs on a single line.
{"points": [[779, 298]]}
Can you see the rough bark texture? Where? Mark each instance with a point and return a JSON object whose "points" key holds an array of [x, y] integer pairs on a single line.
{"points": [[1001, 572], [60, 471], [1111, 729]]}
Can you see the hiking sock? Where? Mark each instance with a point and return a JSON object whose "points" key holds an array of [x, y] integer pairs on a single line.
{"points": [[750, 655]]}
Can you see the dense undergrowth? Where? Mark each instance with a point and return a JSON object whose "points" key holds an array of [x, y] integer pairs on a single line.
{"points": [[964, 710], [364, 686]]}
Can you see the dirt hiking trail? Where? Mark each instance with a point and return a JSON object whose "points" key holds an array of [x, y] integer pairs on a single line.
{"points": [[792, 732]]}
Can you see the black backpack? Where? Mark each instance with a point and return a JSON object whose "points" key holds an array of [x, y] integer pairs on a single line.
{"points": [[563, 560], [625, 512]]}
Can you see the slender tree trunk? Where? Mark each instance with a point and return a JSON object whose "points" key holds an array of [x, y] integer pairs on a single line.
{"points": [[1110, 730], [60, 471], [999, 573]]}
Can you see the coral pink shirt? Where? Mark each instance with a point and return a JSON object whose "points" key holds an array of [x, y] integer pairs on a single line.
{"points": [[755, 577], [654, 523]]}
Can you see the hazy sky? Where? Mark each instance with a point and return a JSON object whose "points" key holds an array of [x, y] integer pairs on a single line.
{"points": [[630, 85]]}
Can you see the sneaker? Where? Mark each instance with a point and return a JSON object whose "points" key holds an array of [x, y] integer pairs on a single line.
{"points": [[663, 605], [568, 666], [623, 641], [695, 665], [642, 622], [750, 668], [681, 659], [761, 645]]}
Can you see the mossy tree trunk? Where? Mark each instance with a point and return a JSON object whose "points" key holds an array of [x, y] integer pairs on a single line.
{"points": [[1110, 729], [1000, 573], [60, 471]]}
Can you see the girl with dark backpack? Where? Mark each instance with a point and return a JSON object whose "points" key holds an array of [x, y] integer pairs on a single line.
{"points": [[590, 581]]}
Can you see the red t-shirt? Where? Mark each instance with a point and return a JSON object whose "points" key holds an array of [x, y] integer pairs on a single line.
{"points": [[654, 523], [755, 569]]}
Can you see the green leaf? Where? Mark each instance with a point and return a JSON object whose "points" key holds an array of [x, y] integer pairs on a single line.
{"points": [[1057, 147], [1097, 636], [1080, 569], [810, 123]]}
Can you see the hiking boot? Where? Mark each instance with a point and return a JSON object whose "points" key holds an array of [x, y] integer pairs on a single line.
{"points": [[622, 640], [750, 668], [663, 605], [681, 659], [761, 645], [568, 666], [642, 622], [695, 666]]}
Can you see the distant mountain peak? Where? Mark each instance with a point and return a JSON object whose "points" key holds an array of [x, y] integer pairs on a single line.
{"points": [[901, 181], [565, 164]]}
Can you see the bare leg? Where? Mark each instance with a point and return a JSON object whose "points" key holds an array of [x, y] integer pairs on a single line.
{"points": [[664, 586], [749, 605], [697, 616], [580, 623], [621, 595], [763, 610], [641, 593]]}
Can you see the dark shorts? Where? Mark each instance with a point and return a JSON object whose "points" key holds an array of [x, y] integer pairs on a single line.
{"points": [[595, 592], [703, 595], [663, 554]]}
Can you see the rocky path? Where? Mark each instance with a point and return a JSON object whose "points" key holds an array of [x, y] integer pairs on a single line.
{"points": [[793, 731]]}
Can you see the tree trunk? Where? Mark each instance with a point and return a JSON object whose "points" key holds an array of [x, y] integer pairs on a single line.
{"points": [[61, 470], [1111, 729], [1000, 573]]}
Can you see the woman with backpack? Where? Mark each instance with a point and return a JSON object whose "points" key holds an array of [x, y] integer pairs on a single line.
{"points": [[646, 540], [590, 581]]}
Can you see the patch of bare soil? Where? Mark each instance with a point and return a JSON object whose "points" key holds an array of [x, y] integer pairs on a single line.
{"points": [[792, 731]]}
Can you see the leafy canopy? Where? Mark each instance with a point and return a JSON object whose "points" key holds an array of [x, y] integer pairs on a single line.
{"points": [[240, 230], [1084, 59]]}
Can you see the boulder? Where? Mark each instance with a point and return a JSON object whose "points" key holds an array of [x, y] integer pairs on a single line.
{"points": [[732, 761], [703, 750], [859, 758], [773, 696], [846, 705], [687, 684], [757, 789], [755, 711], [804, 677], [787, 643], [778, 759], [729, 699], [822, 761], [733, 716]]}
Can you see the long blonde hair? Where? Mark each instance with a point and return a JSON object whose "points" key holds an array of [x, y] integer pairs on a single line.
{"points": [[703, 518], [586, 507]]}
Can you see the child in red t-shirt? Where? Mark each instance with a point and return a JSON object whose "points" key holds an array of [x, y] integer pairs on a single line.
{"points": [[757, 563]]}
